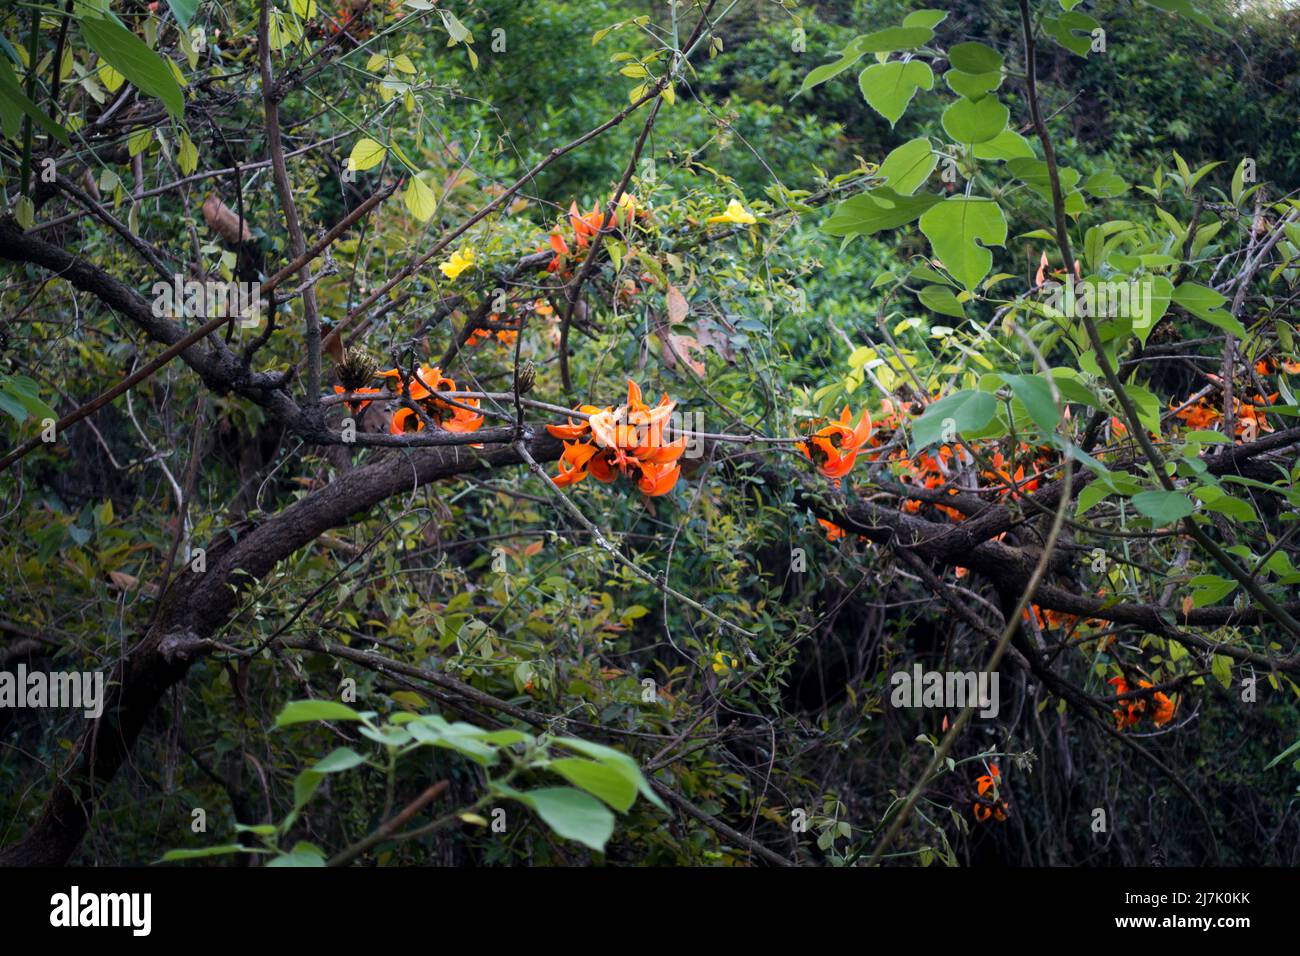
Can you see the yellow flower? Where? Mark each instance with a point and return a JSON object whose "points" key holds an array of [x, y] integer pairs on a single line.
{"points": [[628, 206], [735, 213], [724, 663], [460, 260]]}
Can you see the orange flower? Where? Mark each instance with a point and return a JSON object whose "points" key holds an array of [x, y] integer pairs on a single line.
{"points": [[1165, 708], [988, 805], [1200, 415], [420, 388], [355, 405], [586, 227], [1270, 364], [838, 457], [833, 531], [504, 335], [627, 441]]}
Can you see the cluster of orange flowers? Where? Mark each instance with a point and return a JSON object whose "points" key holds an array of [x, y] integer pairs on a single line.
{"points": [[585, 229], [505, 328], [988, 805], [837, 444], [1131, 709], [504, 336], [1047, 619], [627, 441], [427, 380], [1248, 417]]}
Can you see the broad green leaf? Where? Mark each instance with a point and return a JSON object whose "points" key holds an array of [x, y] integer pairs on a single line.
{"points": [[939, 299], [366, 155], [1204, 303], [973, 86], [909, 166], [1210, 589], [419, 199], [1186, 8], [175, 856], [572, 814], [875, 210], [956, 228], [1163, 507], [128, 54], [891, 40], [1092, 493], [1157, 292], [343, 758], [303, 854], [303, 711], [964, 411], [607, 781], [1071, 30], [19, 398], [1035, 394], [975, 121], [1008, 144], [1106, 185], [183, 11], [889, 87], [974, 57], [927, 19], [827, 71], [612, 756], [1221, 668], [12, 96]]}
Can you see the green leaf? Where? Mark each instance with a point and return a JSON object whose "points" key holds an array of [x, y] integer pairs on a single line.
{"points": [[819, 75], [975, 121], [1106, 185], [956, 227], [876, 210], [366, 154], [906, 168], [617, 757], [304, 711], [1221, 668], [19, 399], [889, 87], [609, 782], [1282, 756], [127, 53], [419, 199], [973, 86], [183, 10], [1210, 589], [173, 856], [1203, 302], [1071, 30], [343, 758], [969, 411], [1163, 507], [1158, 294], [974, 57], [936, 298], [929, 19], [572, 814], [1036, 395], [1008, 144], [1186, 9], [1093, 493], [11, 95], [302, 854], [892, 40]]}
